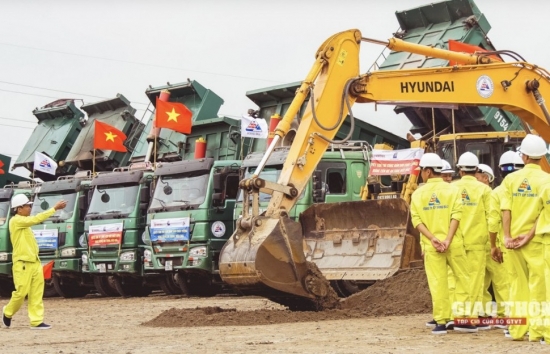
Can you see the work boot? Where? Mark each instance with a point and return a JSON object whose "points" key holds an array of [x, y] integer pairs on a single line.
{"points": [[450, 325], [431, 324], [439, 329], [6, 322], [465, 328], [42, 326]]}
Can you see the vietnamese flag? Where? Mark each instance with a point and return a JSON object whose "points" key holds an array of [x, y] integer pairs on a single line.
{"points": [[107, 137], [173, 115], [457, 46]]}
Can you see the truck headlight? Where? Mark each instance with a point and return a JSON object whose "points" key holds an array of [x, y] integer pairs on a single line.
{"points": [[198, 252], [3, 256], [68, 252], [147, 255], [84, 259], [145, 238], [82, 240], [127, 256]]}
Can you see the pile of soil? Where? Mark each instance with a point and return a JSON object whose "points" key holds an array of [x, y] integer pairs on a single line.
{"points": [[403, 294]]}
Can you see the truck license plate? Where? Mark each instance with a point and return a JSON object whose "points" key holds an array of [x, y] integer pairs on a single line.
{"points": [[101, 268], [168, 265]]}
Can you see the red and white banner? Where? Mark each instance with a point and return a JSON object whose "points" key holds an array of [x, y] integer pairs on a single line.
{"points": [[395, 162], [105, 235]]}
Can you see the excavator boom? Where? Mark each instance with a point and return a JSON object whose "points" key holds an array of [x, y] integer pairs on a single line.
{"points": [[270, 249]]}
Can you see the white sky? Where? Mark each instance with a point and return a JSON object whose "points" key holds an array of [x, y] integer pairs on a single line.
{"points": [[101, 48]]}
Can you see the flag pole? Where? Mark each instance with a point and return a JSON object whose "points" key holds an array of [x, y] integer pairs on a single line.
{"points": [[155, 154], [93, 165]]}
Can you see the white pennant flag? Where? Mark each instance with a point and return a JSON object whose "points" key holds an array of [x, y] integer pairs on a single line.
{"points": [[44, 163], [253, 127]]}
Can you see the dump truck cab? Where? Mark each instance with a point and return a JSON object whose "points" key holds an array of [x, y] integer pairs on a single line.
{"points": [[113, 225], [6, 193], [189, 219], [60, 238]]}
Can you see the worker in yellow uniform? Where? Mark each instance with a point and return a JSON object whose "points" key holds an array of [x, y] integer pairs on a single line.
{"points": [[436, 210], [521, 206], [495, 274], [447, 174], [28, 277], [473, 226]]}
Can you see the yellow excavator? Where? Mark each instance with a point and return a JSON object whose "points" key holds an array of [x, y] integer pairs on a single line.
{"points": [[291, 262]]}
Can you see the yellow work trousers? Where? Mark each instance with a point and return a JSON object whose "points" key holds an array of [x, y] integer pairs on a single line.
{"points": [[495, 274], [476, 261], [28, 279], [438, 280], [527, 289], [452, 286]]}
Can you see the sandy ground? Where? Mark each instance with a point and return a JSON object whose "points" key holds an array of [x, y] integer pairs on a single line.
{"points": [[113, 325]]}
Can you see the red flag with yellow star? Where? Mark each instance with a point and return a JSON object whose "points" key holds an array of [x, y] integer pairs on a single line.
{"points": [[173, 115], [107, 137]]}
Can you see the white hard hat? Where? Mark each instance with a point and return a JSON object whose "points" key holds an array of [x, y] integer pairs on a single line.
{"points": [[509, 158], [468, 162], [483, 168], [446, 167], [518, 161], [19, 200], [533, 146], [431, 160]]}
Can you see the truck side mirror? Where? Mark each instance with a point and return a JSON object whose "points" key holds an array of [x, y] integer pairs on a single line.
{"points": [[217, 181], [144, 194], [317, 185], [217, 199], [83, 203]]}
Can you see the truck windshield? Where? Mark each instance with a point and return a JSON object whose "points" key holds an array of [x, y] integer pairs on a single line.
{"points": [[179, 190], [4, 208], [269, 174], [111, 200], [43, 202]]}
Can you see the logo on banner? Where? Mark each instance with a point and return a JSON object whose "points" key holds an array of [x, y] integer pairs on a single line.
{"points": [[45, 163], [254, 127]]}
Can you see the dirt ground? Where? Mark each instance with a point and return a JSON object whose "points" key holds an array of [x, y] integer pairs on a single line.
{"points": [[115, 325]]}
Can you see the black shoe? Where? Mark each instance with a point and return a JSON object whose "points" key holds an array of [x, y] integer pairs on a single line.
{"points": [[465, 328], [450, 325], [6, 322], [431, 324], [439, 329], [42, 326]]}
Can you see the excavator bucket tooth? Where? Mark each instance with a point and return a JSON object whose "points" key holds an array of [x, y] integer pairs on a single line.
{"points": [[361, 240], [270, 254]]}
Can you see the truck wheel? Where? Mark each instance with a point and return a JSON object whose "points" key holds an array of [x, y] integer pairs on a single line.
{"points": [[203, 287], [128, 287], [49, 289], [68, 287], [182, 281], [6, 287], [168, 284], [345, 288], [103, 287]]}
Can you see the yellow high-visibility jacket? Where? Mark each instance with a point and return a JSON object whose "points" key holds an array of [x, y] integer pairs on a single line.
{"points": [[521, 195], [434, 205], [475, 212], [22, 238]]}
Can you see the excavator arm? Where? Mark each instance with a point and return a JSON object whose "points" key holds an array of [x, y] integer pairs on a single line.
{"points": [[266, 254]]}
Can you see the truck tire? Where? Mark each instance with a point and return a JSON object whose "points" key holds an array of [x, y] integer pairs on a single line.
{"points": [[6, 287], [69, 287], [345, 288], [104, 288], [182, 281], [49, 289], [168, 284], [131, 287]]}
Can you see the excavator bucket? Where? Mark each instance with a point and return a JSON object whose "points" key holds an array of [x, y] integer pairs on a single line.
{"points": [[362, 241], [272, 255]]}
